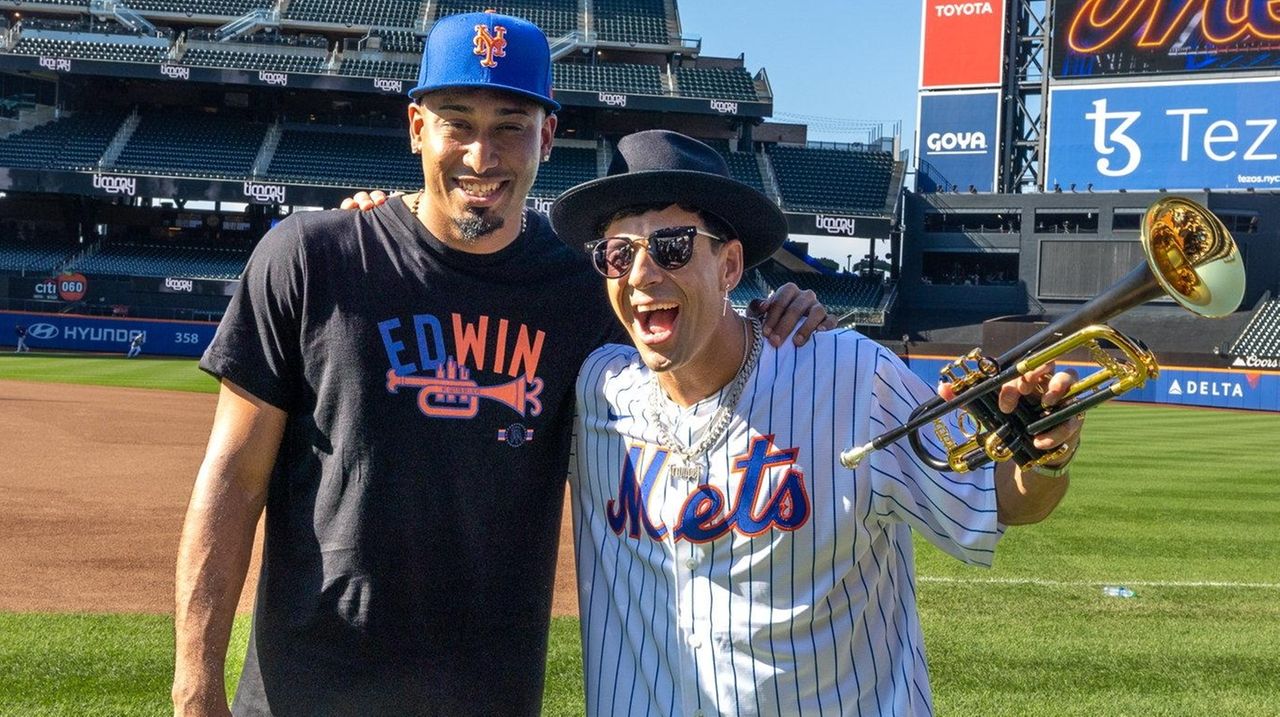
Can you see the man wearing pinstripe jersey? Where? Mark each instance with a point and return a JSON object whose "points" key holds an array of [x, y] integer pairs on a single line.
{"points": [[727, 563]]}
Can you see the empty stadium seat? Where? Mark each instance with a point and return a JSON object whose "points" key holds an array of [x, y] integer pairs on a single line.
{"points": [[384, 13], [234, 8], [1261, 337], [716, 83], [831, 180], [73, 142], [346, 159], [568, 167], [192, 145], [744, 168], [253, 59], [112, 48], [557, 18], [632, 21], [840, 293], [608, 77], [405, 41], [386, 69], [33, 255], [130, 259]]}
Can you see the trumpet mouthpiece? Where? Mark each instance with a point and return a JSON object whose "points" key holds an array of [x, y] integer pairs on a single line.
{"points": [[852, 457]]}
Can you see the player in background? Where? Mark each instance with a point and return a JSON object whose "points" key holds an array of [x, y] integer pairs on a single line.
{"points": [[22, 347], [396, 392], [135, 345], [727, 562]]}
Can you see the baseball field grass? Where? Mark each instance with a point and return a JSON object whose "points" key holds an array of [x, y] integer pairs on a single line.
{"points": [[1182, 506]]}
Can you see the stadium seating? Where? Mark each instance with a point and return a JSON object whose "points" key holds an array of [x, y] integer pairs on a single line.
{"points": [[716, 83], [608, 77], [568, 167], [381, 13], [400, 41], [233, 8], [751, 287], [32, 256], [191, 145], [113, 48], [346, 159], [831, 180], [73, 142], [744, 168], [557, 18], [386, 69], [128, 259], [245, 58], [632, 21], [840, 293], [1261, 338]]}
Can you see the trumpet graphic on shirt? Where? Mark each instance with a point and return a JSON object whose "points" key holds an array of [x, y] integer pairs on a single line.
{"points": [[452, 394]]}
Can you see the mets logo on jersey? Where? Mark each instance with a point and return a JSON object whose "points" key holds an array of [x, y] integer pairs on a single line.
{"points": [[705, 516], [490, 46]]}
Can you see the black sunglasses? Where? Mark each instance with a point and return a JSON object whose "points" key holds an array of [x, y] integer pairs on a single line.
{"points": [[670, 248]]}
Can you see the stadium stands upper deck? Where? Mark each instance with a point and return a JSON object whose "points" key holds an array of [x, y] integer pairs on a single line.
{"points": [[716, 83], [632, 21], [251, 58], [114, 48], [608, 77], [557, 18], [317, 155], [831, 180], [230, 8], [380, 13], [163, 142], [72, 142]]}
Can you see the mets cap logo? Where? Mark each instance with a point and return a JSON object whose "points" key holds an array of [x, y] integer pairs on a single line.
{"points": [[490, 46]]}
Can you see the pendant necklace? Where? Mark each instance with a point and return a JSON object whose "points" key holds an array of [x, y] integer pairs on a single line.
{"points": [[686, 463]]}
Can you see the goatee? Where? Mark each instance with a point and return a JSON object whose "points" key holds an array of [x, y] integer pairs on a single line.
{"points": [[473, 226]]}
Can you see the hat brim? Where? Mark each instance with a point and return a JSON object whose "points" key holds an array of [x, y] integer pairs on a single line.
{"points": [[551, 105], [759, 223]]}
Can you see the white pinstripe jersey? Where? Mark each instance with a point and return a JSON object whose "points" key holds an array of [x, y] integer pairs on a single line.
{"points": [[784, 583]]}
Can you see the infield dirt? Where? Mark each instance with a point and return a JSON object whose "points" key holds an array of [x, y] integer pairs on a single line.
{"points": [[94, 482]]}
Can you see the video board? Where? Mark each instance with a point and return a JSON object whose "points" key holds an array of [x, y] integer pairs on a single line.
{"points": [[1098, 38], [1219, 134]]}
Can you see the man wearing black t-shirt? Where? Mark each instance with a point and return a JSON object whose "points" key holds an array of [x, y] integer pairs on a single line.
{"points": [[397, 394]]}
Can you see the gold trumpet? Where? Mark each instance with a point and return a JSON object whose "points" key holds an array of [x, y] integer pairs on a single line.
{"points": [[1191, 257]]}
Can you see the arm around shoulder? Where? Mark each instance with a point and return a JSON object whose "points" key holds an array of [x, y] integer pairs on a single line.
{"points": [[217, 542]]}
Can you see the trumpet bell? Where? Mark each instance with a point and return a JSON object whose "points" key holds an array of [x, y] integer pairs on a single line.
{"points": [[1193, 257]]}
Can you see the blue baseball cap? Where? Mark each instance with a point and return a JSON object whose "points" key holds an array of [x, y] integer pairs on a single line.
{"points": [[485, 49]]}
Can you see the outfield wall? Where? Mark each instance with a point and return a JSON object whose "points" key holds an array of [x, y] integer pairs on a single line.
{"points": [[69, 332], [1176, 385]]}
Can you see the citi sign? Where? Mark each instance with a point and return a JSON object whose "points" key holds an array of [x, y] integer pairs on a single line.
{"points": [[964, 8], [127, 186], [836, 225], [265, 193], [279, 79], [942, 143], [612, 99]]}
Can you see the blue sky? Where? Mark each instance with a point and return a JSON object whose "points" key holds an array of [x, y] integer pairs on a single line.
{"points": [[847, 59]]}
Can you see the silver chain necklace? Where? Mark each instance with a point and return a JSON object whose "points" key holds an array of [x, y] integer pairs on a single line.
{"points": [[685, 463]]}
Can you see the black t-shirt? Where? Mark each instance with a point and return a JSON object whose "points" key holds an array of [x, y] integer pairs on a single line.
{"points": [[413, 514]]}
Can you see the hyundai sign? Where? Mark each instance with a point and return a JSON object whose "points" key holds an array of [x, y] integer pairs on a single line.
{"points": [[69, 332], [958, 137], [1215, 135]]}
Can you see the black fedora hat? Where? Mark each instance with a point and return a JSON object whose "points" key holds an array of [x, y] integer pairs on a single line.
{"points": [[663, 167]]}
